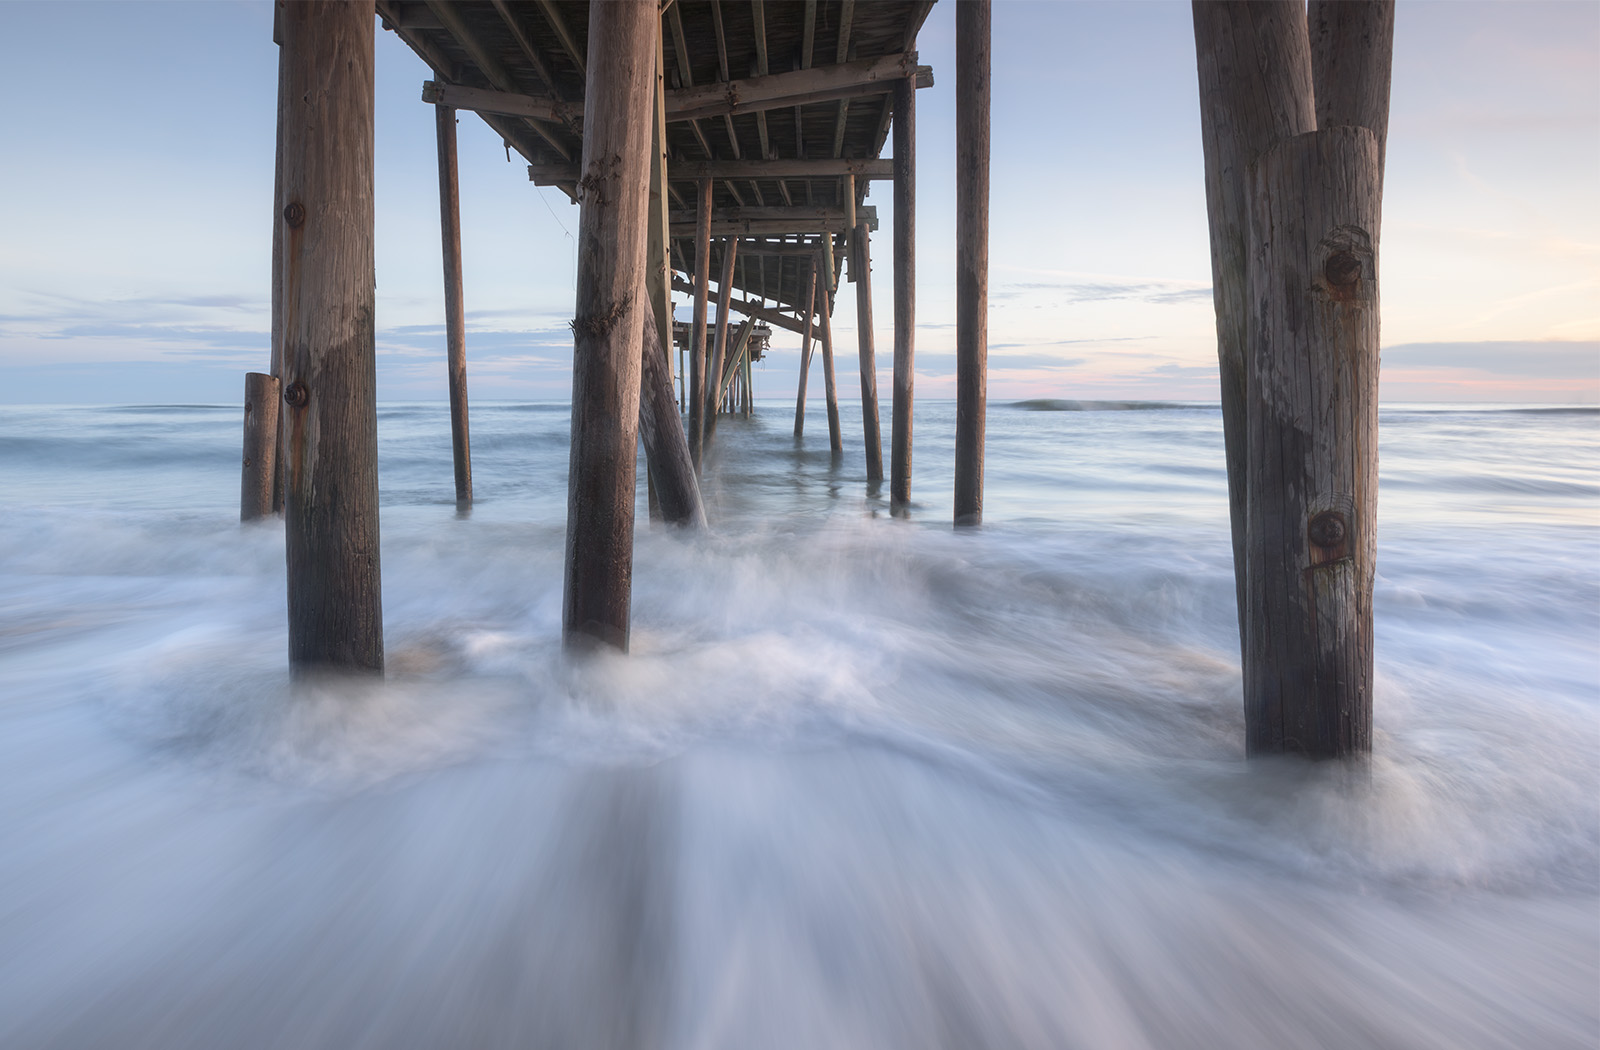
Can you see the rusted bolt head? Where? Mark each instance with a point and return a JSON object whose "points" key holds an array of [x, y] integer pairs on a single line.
{"points": [[294, 215], [1327, 529], [1342, 268], [296, 394]]}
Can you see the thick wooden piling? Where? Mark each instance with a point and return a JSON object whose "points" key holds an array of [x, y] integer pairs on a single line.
{"points": [[1254, 63], [730, 253], [805, 349], [610, 314], [697, 329], [665, 442], [861, 264], [1313, 451], [829, 389], [276, 367], [455, 320], [905, 289], [1352, 48], [329, 373], [972, 255], [259, 468]]}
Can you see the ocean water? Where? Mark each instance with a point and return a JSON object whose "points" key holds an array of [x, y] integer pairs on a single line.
{"points": [[863, 782]]}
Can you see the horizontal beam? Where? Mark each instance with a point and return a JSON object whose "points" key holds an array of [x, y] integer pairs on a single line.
{"points": [[744, 306], [766, 227], [815, 213], [869, 76], [778, 168]]}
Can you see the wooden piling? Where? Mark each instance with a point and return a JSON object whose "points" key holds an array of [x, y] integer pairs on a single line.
{"points": [[972, 255], [805, 348], [1352, 47], [665, 443], [1313, 449], [1254, 63], [905, 289], [610, 314], [861, 263], [697, 329], [329, 365], [831, 392], [730, 253], [276, 367], [260, 462], [455, 321]]}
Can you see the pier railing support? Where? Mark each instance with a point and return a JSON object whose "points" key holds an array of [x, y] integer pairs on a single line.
{"points": [[329, 368], [905, 289], [972, 254], [455, 320], [610, 313], [861, 264], [810, 286]]}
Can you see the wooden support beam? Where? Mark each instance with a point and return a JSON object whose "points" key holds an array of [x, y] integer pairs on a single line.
{"points": [[1312, 408], [841, 54], [525, 42], [764, 227], [553, 15], [972, 255], [868, 76], [829, 388], [665, 443], [697, 340], [449, 16], [1254, 64], [758, 11], [775, 317], [905, 292], [731, 369], [503, 103], [276, 365], [545, 174], [730, 254], [329, 360], [1351, 48], [259, 465], [828, 214], [455, 320], [862, 263], [805, 348], [610, 313]]}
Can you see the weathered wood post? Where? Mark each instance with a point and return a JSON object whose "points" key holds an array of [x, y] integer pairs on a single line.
{"points": [[905, 289], [830, 391], [1254, 63], [1312, 393], [665, 442], [329, 366], [1352, 49], [455, 319], [610, 314], [972, 254], [861, 265], [730, 252], [260, 462], [697, 330], [276, 367], [805, 348]]}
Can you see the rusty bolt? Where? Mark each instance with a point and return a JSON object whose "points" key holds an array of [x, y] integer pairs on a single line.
{"points": [[1342, 268], [1327, 529], [294, 215], [296, 394]]}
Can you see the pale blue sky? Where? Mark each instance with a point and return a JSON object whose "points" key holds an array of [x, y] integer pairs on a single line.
{"points": [[137, 169]]}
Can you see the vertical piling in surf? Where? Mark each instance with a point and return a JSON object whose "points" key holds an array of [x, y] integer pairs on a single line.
{"points": [[1254, 64], [810, 298], [455, 321], [665, 442], [905, 290], [861, 265], [972, 255], [260, 462], [697, 330], [329, 368], [610, 311], [276, 367], [730, 253], [830, 390]]}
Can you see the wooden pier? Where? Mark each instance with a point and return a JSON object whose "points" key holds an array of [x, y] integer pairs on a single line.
{"points": [[724, 151]]}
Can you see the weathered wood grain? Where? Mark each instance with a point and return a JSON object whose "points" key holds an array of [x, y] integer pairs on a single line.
{"points": [[972, 255], [329, 368], [805, 349], [905, 291], [610, 314], [697, 336], [1352, 48], [1312, 404], [730, 254], [455, 318], [259, 467], [665, 442], [861, 263], [829, 389]]}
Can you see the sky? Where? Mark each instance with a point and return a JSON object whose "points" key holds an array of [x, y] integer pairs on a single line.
{"points": [[134, 263]]}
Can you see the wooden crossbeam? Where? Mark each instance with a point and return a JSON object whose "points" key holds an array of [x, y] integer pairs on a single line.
{"points": [[865, 213], [871, 76], [744, 306], [781, 168]]}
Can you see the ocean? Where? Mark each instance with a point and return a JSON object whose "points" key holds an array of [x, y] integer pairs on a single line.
{"points": [[863, 781]]}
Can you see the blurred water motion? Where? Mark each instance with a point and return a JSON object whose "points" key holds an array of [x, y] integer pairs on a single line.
{"points": [[862, 783]]}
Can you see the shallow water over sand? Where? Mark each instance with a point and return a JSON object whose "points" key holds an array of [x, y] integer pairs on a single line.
{"points": [[862, 782]]}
